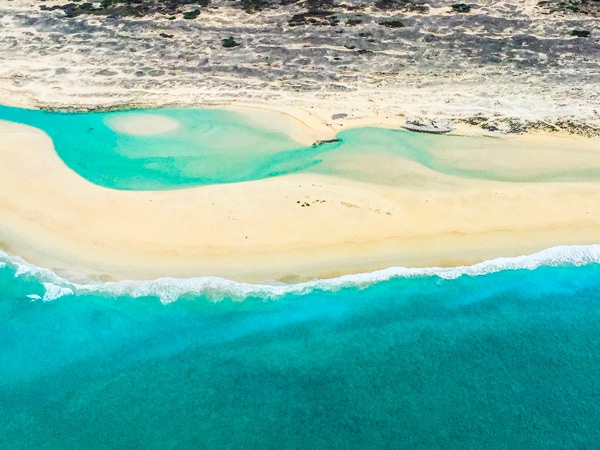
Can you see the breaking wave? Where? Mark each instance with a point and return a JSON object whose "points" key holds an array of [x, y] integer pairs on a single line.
{"points": [[216, 288]]}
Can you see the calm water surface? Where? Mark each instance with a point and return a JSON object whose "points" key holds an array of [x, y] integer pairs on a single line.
{"points": [[213, 146]]}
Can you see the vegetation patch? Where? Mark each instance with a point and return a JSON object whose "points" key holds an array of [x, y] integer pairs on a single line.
{"points": [[461, 8], [121, 8], [191, 15], [253, 6], [230, 42], [580, 33], [391, 23], [320, 18], [581, 7], [402, 5], [351, 21]]}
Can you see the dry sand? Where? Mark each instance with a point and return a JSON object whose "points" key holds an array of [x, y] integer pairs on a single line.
{"points": [[259, 231]]}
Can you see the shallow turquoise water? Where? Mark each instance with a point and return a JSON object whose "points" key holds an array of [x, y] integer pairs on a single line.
{"points": [[214, 146], [504, 360], [210, 146]]}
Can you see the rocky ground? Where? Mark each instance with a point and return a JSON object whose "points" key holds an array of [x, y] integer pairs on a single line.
{"points": [[504, 65]]}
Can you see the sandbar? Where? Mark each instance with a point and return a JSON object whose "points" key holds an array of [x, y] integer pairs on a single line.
{"points": [[140, 124], [290, 228]]}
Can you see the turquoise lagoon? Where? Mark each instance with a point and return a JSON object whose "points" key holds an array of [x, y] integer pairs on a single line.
{"points": [[213, 146], [503, 354]]}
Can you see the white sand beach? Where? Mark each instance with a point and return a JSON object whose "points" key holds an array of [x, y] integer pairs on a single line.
{"points": [[259, 231]]}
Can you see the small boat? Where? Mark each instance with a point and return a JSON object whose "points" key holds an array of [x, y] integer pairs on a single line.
{"points": [[431, 127]]}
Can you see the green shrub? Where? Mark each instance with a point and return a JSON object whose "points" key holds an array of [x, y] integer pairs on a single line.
{"points": [[391, 23], [191, 15], [461, 8], [230, 42], [580, 33]]}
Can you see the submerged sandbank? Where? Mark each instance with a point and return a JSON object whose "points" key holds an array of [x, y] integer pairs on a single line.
{"points": [[140, 124], [294, 227]]}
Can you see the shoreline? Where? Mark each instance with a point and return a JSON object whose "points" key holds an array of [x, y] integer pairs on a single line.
{"points": [[256, 232], [217, 288], [322, 110]]}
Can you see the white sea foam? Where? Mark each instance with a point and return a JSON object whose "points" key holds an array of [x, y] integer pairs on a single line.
{"points": [[54, 291], [215, 288]]}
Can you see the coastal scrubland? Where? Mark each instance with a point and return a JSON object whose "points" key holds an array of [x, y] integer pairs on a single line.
{"points": [[504, 66]]}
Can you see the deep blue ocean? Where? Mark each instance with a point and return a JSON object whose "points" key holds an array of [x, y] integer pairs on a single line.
{"points": [[501, 355]]}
